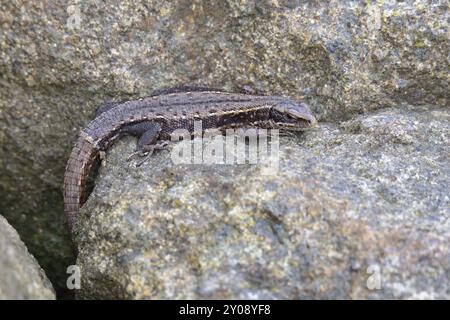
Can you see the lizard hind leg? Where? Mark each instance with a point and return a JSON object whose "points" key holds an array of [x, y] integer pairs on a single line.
{"points": [[148, 136]]}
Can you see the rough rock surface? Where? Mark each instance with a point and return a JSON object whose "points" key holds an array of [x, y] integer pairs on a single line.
{"points": [[59, 59], [348, 201], [21, 277]]}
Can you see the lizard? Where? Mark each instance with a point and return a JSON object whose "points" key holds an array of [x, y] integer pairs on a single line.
{"points": [[152, 119]]}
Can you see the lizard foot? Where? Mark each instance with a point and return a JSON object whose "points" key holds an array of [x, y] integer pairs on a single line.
{"points": [[139, 153], [146, 152], [145, 157], [287, 134]]}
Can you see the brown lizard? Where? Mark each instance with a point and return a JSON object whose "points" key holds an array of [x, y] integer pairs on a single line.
{"points": [[154, 118]]}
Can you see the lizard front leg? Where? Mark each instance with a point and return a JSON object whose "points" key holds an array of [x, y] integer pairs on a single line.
{"points": [[148, 134]]}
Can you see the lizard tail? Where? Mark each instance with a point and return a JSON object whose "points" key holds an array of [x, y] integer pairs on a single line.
{"points": [[77, 172]]}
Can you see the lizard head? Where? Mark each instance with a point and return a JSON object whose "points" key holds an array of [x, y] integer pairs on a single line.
{"points": [[292, 115]]}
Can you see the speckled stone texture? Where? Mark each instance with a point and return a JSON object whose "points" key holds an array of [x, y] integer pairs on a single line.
{"points": [[21, 277], [369, 194], [60, 59]]}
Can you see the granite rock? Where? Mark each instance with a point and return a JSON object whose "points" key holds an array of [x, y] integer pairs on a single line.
{"points": [[21, 277], [59, 60], [356, 210]]}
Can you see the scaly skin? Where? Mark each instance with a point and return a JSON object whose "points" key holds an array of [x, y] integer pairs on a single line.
{"points": [[156, 117]]}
